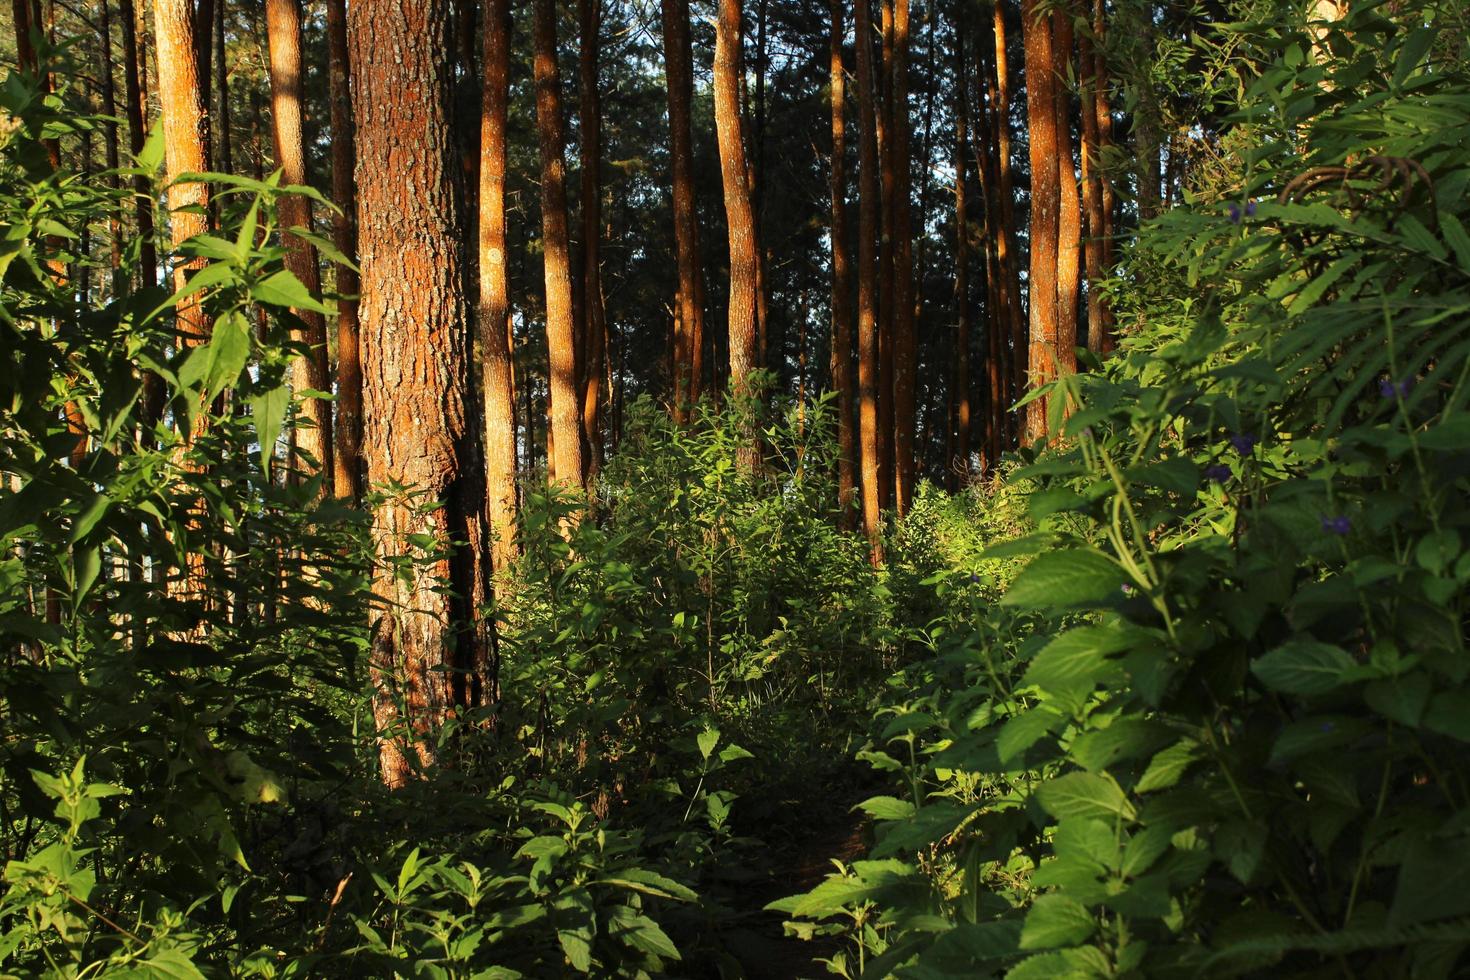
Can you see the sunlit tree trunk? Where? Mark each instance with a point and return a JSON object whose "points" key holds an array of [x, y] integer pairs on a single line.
{"points": [[739, 215], [429, 648], [594, 329], [957, 466], [905, 340], [869, 205], [561, 331], [1041, 113], [496, 369], [688, 310], [1099, 325], [347, 429], [1069, 219], [111, 150], [887, 271], [283, 29], [842, 379]]}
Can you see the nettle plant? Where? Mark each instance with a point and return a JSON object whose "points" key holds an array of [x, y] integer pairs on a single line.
{"points": [[1218, 726]]}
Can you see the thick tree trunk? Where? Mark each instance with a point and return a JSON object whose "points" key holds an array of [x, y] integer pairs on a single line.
{"points": [[740, 217], [594, 327], [1099, 326], [494, 317], [957, 466], [311, 371], [348, 426], [869, 204], [561, 329], [842, 379], [428, 653], [1069, 221], [905, 340], [1041, 112], [688, 308]]}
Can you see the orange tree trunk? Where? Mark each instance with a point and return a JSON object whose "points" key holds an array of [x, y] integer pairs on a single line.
{"points": [[561, 329], [688, 310], [735, 174], [594, 327], [348, 429], [283, 28], [841, 274], [1098, 328], [957, 466], [869, 204], [887, 273], [1069, 222], [427, 651], [496, 368], [1009, 253], [905, 341], [1041, 115]]}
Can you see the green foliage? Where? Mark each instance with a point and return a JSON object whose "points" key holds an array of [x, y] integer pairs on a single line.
{"points": [[1213, 727]]}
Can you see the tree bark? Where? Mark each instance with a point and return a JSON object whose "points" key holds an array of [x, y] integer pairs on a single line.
{"points": [[842, 379], [869, 374], [1099, 327], [688, 310], [905, 340], [957, 466], [740, 217], [496, 369], [1069, 221], [428, 652], [347, 456], [561, 330], [594, 329], [1008, 253], [1041, 114], [222, 83], [887, 267], [310, 371]]}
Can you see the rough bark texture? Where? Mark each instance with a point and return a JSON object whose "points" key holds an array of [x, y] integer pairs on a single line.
{"points": [[887, 274], [1041, 112], [1008, 252], [561, 330], [735, 174], [348, 481], [905, 340], [283, 29], [594, 327], [841, 348], [1099, 326], [688, 310], [495, 369], [1069, 220], [957, 466], [427, 652], [868, 217], [183, 143]]}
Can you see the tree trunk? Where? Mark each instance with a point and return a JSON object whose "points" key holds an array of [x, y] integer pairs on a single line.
{"points": [[887, 271], [1099, 327], [957, 466], [348, 480], [222, 83], [868, 218], [688, 310], [561, 330], [496, 369], [311, 371], [594, 328], [428, 653], [735, 174], [841, 275], [111, 150], [1104, 140], [1014, 338], [905, 340], [1069, 221], [1041, 112]]}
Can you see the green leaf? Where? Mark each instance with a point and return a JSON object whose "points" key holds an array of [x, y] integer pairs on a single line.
{"points": [[231, 346], [1056, 920], [707, 740], [1085, 794], [649, 883], [641, 932], [1401, 699], [578, 949], [1076, 577], [1304, 667], [1078, 656], [1125, 738], [269, 412], [1023, 730], [1434, 883], [886, 808], [284, 289]]}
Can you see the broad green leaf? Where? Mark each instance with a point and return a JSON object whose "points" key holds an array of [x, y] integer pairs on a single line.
{"points": [[1076, 656], [707, 740], [1075, 577], [1166, 768], [1085, 794], [269, 412], [886, 808], [1304, 667], [1056, 920], [284, 289], [1023, 730]]}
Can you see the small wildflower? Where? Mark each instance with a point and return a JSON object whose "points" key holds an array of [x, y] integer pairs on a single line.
{"points": [[974, 579], [1218, 472], [1395, 389], [1127, 589], [1233, 211], [1338, 525], [1328, 727], [1250, 209], [1243, 442]]}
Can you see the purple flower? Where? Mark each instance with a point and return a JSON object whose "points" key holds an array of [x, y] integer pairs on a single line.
{"points": [[1328, 726], [1338, 525], [974, 579], [1250, 209], [1395, 389], [1233, 211], [1218, 472], [1127, 589], [1243, 442]]}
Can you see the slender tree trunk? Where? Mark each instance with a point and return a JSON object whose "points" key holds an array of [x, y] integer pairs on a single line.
{"points": [[1041, 113], [112, 154], [494, 318], [869, 203], [905, 339], [841, 274], [1009, 253], [1104, 113], [347, 455], [222, 83], [1001, 288], [203, 45], [561, 330], [428, 653], [1099, 328], [1069, 222], [887, 266], [735, 172], [957, 466], [311, 371], [1146, 125], [594, 329], [688, 310]]}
